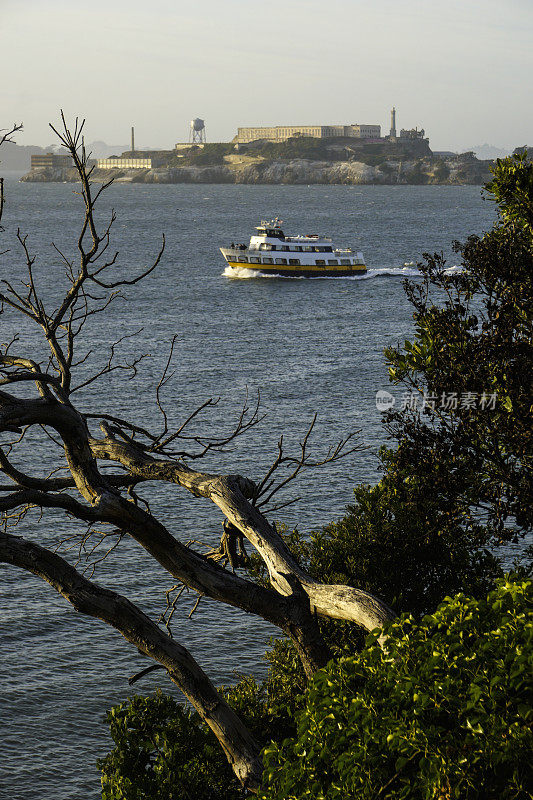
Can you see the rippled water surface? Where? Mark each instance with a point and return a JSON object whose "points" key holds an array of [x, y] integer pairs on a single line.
{"points": [[307, 345]]}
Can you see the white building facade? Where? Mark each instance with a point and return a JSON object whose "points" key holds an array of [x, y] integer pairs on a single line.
{"points": [[280, 133]]}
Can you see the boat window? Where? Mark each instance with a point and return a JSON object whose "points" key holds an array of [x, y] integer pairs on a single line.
{"points": [[328, 249], [243, 259], [268, 261], [308, 249], [333, 262], [254, 260], [298, 249], [345, 261], [284, 247], [320, 263], [294, 260], [281, 260]]}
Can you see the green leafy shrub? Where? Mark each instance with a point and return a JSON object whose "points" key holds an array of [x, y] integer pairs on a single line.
{"points": [[209, 155], [441, 171], [402, 543], [163, 752], [512, 189], [444, 712]]}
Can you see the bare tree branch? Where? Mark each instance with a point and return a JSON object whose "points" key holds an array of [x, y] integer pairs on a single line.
{"points": [[242, 751]]}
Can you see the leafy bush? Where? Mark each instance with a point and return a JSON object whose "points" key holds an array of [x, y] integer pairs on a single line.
{"points": [[401, 542], [512, 189], [209, 155], [441, 171], [444, 712], [294, 147], [163, 752]]}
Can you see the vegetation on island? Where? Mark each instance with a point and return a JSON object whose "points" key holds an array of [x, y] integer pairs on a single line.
{"points": [[358, 701], [298, 160]]}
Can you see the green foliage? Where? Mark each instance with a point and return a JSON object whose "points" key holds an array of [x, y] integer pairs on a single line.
{"points": [[476, 338], [441, 171], [416, 175], [163, 752], [295, 147], [444, 712], [284, 687], [400, 542], [512, 189], [210, 154]]}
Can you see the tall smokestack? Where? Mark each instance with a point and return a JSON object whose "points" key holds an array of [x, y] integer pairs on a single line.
{"points": [[132, 141], [393, 123]]}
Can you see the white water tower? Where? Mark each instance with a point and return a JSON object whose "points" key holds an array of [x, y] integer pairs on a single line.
{"points": [[197, 131]]}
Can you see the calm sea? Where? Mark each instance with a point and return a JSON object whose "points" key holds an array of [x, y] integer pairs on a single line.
{"points": [[306, 345]]}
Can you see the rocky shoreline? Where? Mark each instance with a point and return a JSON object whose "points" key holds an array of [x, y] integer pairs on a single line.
{"points": [[455, 170]]}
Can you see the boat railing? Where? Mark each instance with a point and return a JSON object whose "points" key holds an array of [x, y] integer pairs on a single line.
{"points": [[309, 238], [237, 248]]}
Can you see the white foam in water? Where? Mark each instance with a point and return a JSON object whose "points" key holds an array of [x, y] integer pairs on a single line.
{"points": [[239, 272], [453, 270], [408, 269]]}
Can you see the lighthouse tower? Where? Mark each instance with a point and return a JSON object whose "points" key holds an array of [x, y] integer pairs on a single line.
{"points": [[393, 125]]}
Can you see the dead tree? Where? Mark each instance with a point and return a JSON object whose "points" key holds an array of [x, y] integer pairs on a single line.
{"points": [[41, 396]]}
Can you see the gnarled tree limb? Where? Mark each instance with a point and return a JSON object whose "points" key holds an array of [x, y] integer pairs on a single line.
{"points": [[242, 751]]}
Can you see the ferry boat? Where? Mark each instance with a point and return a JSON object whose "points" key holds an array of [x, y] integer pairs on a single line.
{"points": [[270, 252]]}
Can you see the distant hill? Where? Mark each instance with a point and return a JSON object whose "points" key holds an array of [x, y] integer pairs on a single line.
{"points": [[527, 149], [18, 157], [100, 149], [488, 152]]}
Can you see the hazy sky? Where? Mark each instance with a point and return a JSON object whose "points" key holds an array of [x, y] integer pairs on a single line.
{"points": [[461, 69]]}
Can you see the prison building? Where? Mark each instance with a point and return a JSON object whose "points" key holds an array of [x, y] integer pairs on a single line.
{"points": [[114, 162], [280, 133], [47, 160]]}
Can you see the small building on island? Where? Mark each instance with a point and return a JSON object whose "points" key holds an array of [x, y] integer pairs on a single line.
{"points": [[51, 161], [120, 162]]}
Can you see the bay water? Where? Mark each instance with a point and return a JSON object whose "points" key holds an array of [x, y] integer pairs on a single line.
{"points": [[305, 345]]}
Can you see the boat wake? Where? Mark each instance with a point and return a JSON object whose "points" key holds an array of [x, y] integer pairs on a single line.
{"points": [[237, 272], [408, 269]]}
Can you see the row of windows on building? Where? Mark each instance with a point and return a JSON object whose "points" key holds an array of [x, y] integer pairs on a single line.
{"points": [[46, 160], [124, 163], [279, 134]]}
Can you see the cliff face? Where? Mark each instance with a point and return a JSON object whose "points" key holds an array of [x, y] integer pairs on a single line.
{"points": [[464, 169]]}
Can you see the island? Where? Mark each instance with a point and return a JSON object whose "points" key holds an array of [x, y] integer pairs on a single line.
{"points": [[298, 160]]}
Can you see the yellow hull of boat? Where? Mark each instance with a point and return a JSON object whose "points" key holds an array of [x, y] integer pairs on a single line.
{"points": [[301, 270]]}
